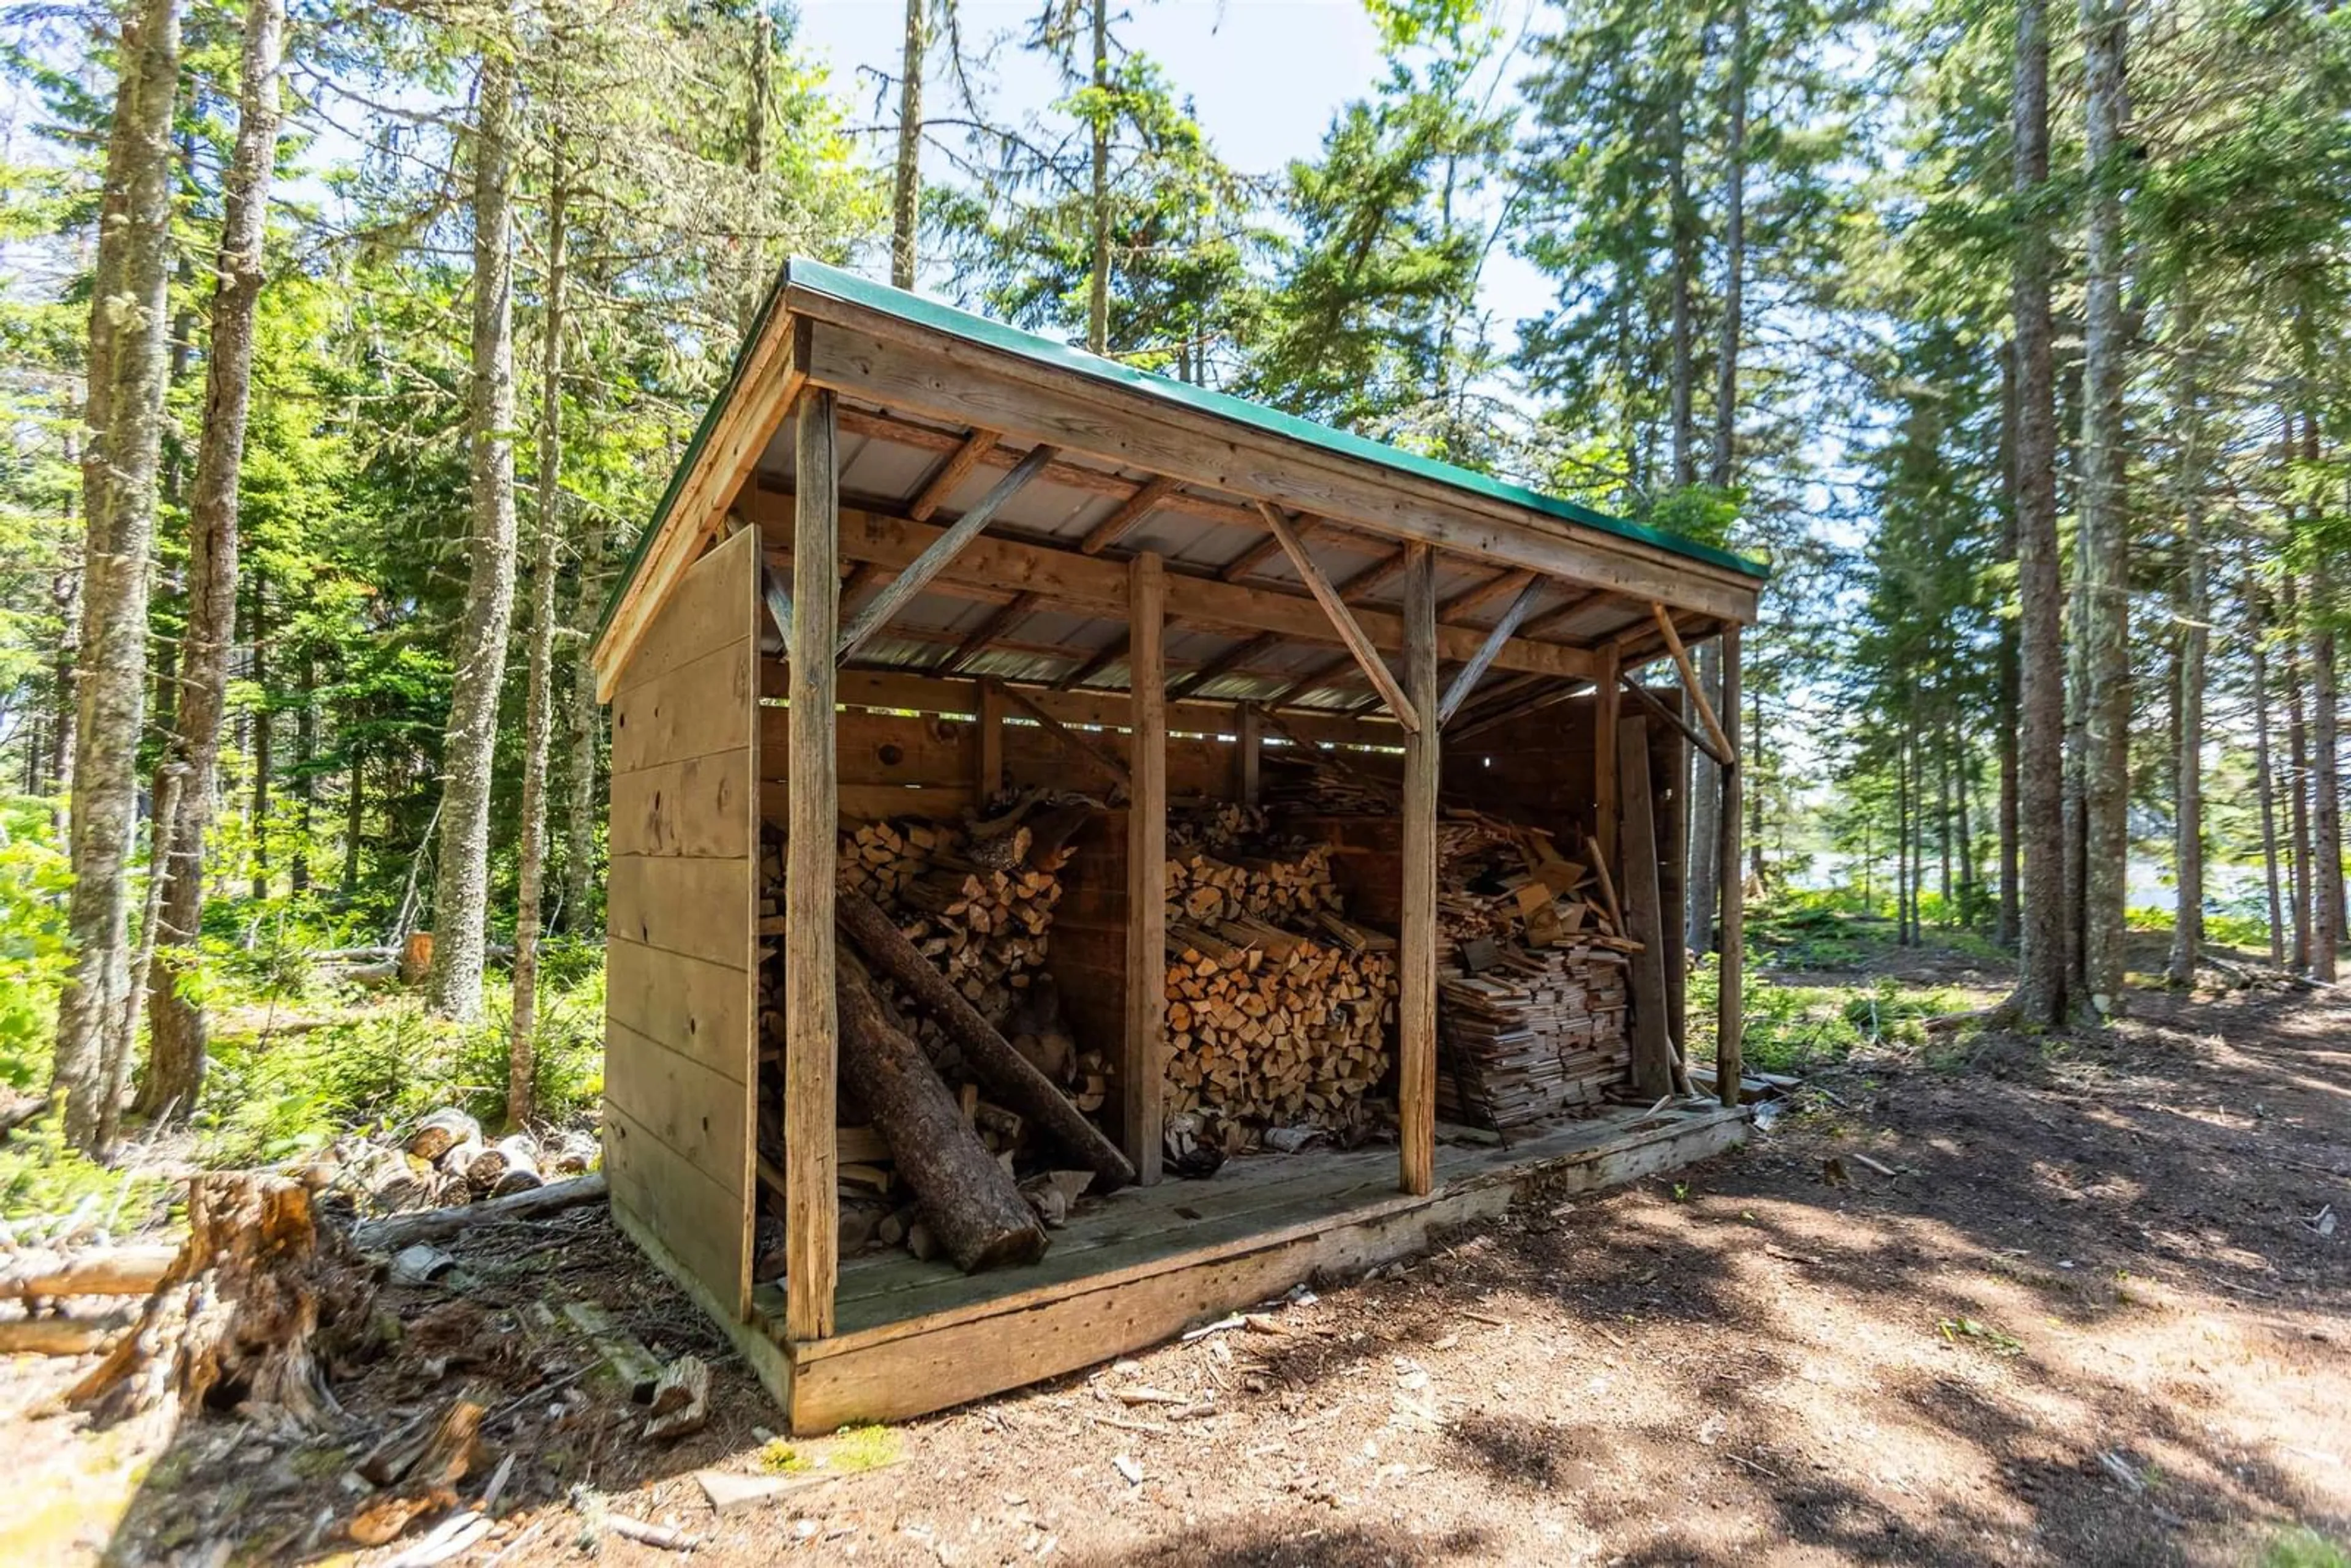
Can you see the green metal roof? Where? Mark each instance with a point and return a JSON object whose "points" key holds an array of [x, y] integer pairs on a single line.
{"points": [[913, 308]]}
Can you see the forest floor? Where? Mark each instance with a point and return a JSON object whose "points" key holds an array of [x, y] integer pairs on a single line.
{"points": [[2094, 1317]]}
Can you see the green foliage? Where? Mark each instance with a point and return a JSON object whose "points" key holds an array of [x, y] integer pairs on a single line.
{"points": [[2302, 1547], [34, 877]]}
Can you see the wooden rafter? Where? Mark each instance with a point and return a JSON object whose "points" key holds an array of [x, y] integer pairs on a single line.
{"points": [[1480, 593], [941, 483], [1513, 699], [1363, 583], [876, 612], [1225, 663], [1264, 550], [1069, 737], [1466, 681], [1721, 750], [1007, 615], [1109, 654], [1558, 613], [1314, 677], [996, 566], [1342, 619], [1130, 511]]}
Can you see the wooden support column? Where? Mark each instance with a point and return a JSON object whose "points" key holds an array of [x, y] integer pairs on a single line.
{"points": [[1603, 755], [1731, 1018], [811, 1209], [991, 744], [1416, 947], [1143, 1071], [1248, 753]]}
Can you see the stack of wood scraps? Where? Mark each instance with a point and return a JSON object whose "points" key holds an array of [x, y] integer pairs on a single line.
{"points": [[1531, 976]]}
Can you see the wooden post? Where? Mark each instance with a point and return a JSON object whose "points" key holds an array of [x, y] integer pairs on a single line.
{"points": [[1604, 705], [1653, 1046], [1143, 1071], [811, 1211], [1416, 948], [991, 744], [1730, 1019], [1247, 753]]}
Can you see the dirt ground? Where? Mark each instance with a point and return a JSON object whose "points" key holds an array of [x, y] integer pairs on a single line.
{"points": [[2091, 1318]]}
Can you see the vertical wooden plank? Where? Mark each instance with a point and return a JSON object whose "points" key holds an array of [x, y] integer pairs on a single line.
{"points": [[1247, 753], [1605, 700], [1143, 1073], [1416, 947], [991, 744], [1730, 1019], [811, 1211], [1653, 1048]]}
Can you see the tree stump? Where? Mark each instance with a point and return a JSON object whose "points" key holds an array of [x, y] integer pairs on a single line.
{"points": [[245, 1314]]}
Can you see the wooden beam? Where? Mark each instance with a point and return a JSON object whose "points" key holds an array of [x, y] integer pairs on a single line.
{"points": [[997, 567], [990, 777], [1722, 751], [1343, 619], [1730, 1015], [1417, 943], [811, 1206], [1648, 699], [1264, 550], [1099, 755], [779, 599], [875, 612], [1130, 511], [951, 473], [1558, 613], [1248, 753], [1496, 704], [1604, 715], [1314, 676], [1466, 681], [1143, 1069], [1493, 587], [1008, 614], [1653, 1046]]}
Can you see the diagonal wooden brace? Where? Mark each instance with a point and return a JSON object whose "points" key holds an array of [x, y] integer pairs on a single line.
{"points": [[876, 612], [1342, 620]]}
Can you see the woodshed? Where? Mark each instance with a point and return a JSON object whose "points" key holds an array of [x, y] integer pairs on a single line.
{"points": [[1088, 852]]}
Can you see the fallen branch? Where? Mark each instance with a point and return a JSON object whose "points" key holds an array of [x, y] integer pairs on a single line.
{"points": [[60, 1336], [389, 1234], [112, 1271]]}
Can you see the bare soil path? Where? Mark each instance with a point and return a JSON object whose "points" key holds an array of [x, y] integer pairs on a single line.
{"points": [[2090, 1319]]}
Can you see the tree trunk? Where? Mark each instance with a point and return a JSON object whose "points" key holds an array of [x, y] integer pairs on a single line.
{"points": [[1098, 284], [2264, 774], [969, 1201], [2195, 612], [1958, 751], [306, 751], [354, 819], [2005, 698], [2297, 780], [907, 192], [2041, 997], [461, 882], [583, 738], [2104, 550], [2325, 785], [264, 720], [176, 1047], [128, 348], [538, 711]]}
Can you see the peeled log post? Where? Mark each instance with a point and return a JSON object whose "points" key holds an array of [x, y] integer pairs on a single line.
{"points": [[969, 1201], [1004, 1070]]}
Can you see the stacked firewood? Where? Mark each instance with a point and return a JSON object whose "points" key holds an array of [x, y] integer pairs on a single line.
{"points": [[1318, 782], [945, 930], [1278, 1007], [1531, 977]]}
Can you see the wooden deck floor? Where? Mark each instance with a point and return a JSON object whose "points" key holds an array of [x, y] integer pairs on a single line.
{"points": [[1202, 1247]]}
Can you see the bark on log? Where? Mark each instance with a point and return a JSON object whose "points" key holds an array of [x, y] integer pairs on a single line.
{"points": [[60, 1336], [989, 1053], [969, 1201], [399, 1231]]}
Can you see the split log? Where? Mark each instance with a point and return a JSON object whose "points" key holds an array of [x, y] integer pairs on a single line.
{"points": [[392, 1233], [435, 1134], [112, 1271], [985, 1050], [509, 1165], [968, 1200], [257, 1300]]}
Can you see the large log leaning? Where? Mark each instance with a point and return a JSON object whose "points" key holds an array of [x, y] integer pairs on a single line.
{"points": [[1004, 1070], [969, 1201]]}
